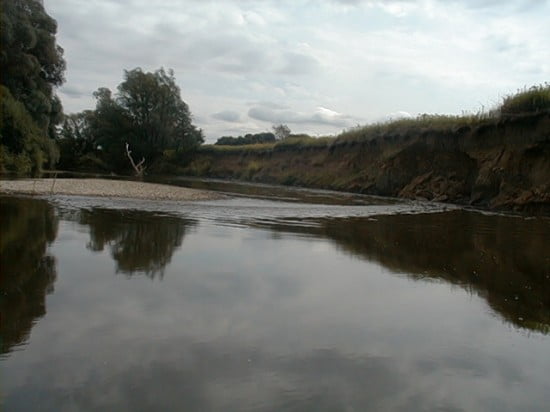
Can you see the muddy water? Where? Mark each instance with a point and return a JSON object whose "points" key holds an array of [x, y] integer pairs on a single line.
{"points": [[322, 301]]}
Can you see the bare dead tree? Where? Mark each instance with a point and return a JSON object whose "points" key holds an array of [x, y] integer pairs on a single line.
{"points": [[139, 168]]}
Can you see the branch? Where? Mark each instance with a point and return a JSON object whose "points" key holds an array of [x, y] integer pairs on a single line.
{"points": [[139, 168]]}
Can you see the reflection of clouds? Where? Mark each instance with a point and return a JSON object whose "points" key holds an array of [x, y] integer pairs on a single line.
{"points": [[244, 320], [182, 374]]}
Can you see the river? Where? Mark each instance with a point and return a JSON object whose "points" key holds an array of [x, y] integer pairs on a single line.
{"points": [[271, 299]]}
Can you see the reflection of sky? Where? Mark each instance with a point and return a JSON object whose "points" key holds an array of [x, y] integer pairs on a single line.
{"points": [[251, 319]]}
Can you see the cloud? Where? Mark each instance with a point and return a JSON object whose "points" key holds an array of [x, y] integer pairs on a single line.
{"points": [[440, 56], [321, 115], [400, 114], [298, 63], [73, 92], [227, 116]]}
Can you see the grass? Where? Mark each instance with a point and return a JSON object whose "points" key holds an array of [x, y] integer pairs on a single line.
{"points": [[532, 100], [303, 141], [535, 99], [258, 147], [422, 122]]}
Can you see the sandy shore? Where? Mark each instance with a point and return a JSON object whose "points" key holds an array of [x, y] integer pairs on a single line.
{"points": [[104, 188]]}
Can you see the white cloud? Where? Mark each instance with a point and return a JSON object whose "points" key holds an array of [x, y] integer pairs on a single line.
{"points": [[227, 116], [364, 58], [321, 115]]}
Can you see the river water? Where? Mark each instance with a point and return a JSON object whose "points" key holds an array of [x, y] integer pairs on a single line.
{"points": [[271, 299]]}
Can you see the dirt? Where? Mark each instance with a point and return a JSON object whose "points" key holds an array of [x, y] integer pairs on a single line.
{"points": [[504, 165]]}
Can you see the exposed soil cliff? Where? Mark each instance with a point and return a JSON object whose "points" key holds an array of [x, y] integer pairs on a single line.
{"points": [[501, 164]]}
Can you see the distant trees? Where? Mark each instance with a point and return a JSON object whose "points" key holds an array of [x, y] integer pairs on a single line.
{"points": [[280, 132], [266, 137], [147, 112], [32, 66]]}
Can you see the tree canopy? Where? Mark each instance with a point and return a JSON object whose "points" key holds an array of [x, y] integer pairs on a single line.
{"points": [[32, 66], [147, 112], [281, 131]]}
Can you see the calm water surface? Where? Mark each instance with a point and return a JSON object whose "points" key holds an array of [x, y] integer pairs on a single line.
{"points": [[320, 302]]}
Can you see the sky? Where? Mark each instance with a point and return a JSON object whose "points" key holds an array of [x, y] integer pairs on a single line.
{"points": [[318, 66]]}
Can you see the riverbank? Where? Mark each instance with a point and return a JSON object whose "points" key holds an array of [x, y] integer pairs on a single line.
{"points": [[498, 164], [105, 188]]}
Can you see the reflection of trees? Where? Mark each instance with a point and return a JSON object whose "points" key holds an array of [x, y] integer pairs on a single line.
{"points": [[27, 227], [140, 241], [503, 259]]}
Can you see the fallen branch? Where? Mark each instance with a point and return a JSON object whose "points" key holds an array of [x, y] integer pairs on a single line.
{"points": [[139, 168]]}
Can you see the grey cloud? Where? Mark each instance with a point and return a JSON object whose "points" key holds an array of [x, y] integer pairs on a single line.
{"points": [[320, 116], [227, 116], [474, 4], [74, 91], [269, 105], [233, 53], [297, 63]]}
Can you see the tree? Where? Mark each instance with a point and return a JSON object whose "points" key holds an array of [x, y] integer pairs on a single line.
{"points": [[148, 114], [32, 66], [281, 131], [75, 139], [160, 118]]}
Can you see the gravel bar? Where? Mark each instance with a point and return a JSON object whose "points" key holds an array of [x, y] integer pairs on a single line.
{"points": [[105, 188]]}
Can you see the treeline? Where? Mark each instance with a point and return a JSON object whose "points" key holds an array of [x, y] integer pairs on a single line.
{"points": [[266, 137]]}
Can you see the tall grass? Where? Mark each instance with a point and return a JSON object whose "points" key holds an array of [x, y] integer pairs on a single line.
{"points": [[532, 100], [535, 99], [303, 141], [435, 122]]}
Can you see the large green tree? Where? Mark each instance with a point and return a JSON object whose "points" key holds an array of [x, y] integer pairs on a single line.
{"points": [[32, 66], [160, 118], [147, 112]]}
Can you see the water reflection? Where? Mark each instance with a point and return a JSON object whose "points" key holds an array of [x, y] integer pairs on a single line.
{"points": [[140, 241], [503, 259], [290, 317], [28, 271]]}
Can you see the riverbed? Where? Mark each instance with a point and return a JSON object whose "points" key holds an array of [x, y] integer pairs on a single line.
{"points": [[271, 298]]}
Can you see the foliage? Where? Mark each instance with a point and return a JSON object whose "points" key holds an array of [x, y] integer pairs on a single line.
{"points": [[265, 137], [281, 131], [147, 112], [76, 140], [25, 147], [535, 99], [32, 66]]}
